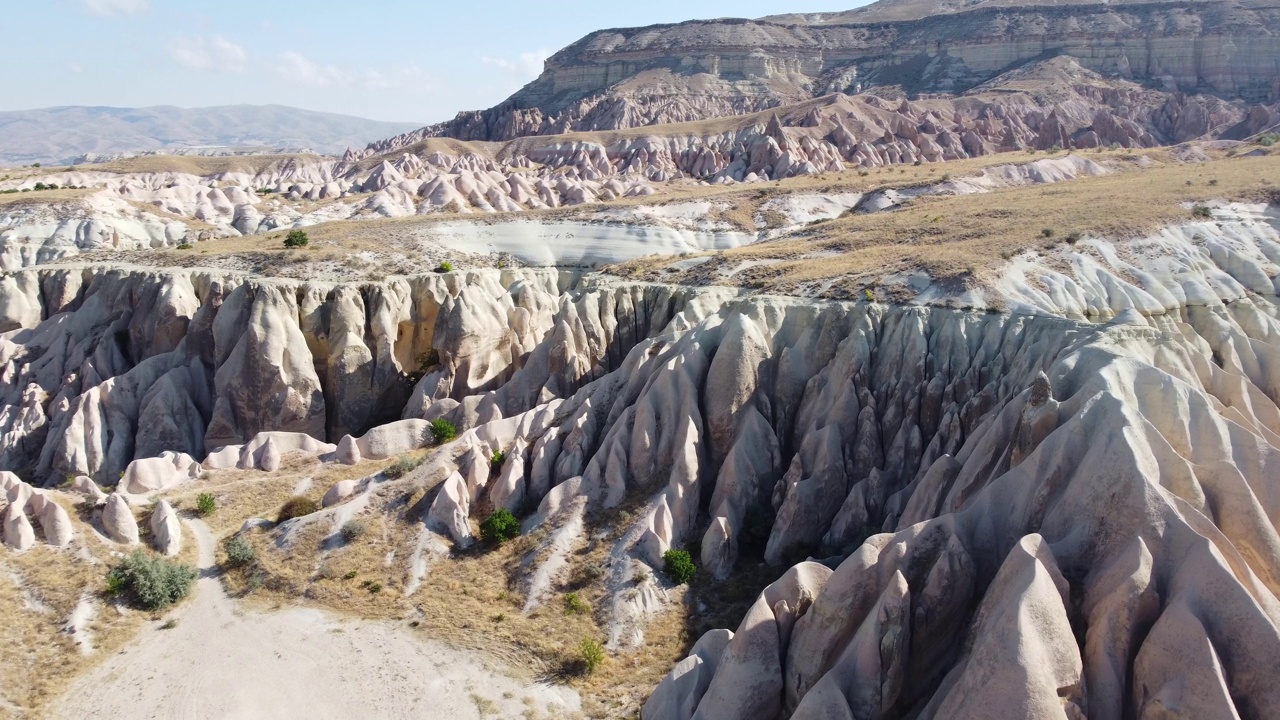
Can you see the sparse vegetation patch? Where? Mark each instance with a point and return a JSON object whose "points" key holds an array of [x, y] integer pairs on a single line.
{"points": [[150, 581]]}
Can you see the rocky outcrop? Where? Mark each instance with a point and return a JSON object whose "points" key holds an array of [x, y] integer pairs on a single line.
{"points": [[251, 361], [635, 77], [166, 530], [118, 521]]}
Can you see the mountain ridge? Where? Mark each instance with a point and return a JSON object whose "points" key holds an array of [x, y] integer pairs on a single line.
{"points": [[69, 133]]}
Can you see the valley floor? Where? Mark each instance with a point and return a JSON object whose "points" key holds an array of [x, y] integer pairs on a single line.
{"points": [[221, 660]]}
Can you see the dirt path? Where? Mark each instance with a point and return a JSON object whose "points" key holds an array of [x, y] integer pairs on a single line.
{"points": [[223, 661]]}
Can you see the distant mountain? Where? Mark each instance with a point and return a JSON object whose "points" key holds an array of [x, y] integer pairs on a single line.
{"points": [[638, 77], [66, 134]]}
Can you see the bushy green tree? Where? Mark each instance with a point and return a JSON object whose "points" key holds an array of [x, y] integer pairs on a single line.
{"points": [[500, 527], [151, 581], [443, 431], [678, 565]]}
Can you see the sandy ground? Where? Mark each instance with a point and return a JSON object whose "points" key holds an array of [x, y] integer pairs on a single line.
{"points": [[225, 661]]}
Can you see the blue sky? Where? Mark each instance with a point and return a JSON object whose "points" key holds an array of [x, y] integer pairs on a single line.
{"points": [[400, 60]]}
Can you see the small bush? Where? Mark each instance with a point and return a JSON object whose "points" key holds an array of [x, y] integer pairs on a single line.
{"points": [[296, 507], [641, 575], [575, 604], [443, 431], [500, 527], [1202, 211], [591, 652], [402, 467], [1213, 182], [151, 581], [296, 239], [184, 245], [1047, 232], [1268, 139], [372, 586], [498, 458], [353, 530], [1073, 238], [206, 504], [351, 575], [239, 552], [678, 565], [445, 266]]}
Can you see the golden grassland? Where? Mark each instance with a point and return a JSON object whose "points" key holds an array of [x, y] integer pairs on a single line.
{"points": [[39, 589], [472, 599], [962, 237], [196, 165], [735, 206]]}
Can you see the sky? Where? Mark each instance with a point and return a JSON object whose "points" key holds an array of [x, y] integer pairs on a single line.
{"points": [[399, 60]]}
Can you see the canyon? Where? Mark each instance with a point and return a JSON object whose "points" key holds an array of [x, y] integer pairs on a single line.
{"points": [[943, 338]]}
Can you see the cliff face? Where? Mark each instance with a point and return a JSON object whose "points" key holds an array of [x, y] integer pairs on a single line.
{"points": [[672, 73], [1073, 507]]}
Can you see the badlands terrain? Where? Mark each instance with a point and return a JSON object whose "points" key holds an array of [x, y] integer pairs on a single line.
{"points": [[952, 362]]}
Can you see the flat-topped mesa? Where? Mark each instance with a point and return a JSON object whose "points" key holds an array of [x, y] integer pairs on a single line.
{"points": [[631, 77]]}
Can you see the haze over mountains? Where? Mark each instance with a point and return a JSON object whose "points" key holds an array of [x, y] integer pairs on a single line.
{"points": [[65, 134]]}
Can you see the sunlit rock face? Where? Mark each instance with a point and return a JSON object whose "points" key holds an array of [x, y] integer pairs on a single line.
{"points": [[632, 77], [1067, 510]]}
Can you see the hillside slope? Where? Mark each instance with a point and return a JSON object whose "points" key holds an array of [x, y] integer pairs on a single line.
{"points": [[632, 77], [65, 134]]}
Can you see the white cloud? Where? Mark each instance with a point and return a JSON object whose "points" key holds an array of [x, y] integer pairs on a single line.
{"points": [[528, 65], [75, 67], [298, 68], [208, 54], [115, 7]]}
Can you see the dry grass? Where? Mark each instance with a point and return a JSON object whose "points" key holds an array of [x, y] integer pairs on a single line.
{"points": [[962, 238], [195, 165], [41, 197], [39, 657]]}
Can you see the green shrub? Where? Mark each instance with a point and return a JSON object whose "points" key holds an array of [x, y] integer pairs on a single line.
{"points": [[500, 527], [402, 467], [184, 245], [498, 458], [445, 267], [678, 565], [239, 552], [296, 239], [575, 604], [591, 652], [353, 530], [1073, 237], [351, 575], [151, 581], [206, 504], [1047, 232], [443, 431], [296, 507], [1202, 212], [1268, 139]]}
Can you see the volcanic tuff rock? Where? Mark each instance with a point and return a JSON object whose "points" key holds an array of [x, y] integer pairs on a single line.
{"points": [[632, 77], [989, 486]]}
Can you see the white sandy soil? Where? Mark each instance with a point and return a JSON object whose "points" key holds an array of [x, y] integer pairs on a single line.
{"points": [[225, 661]]}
